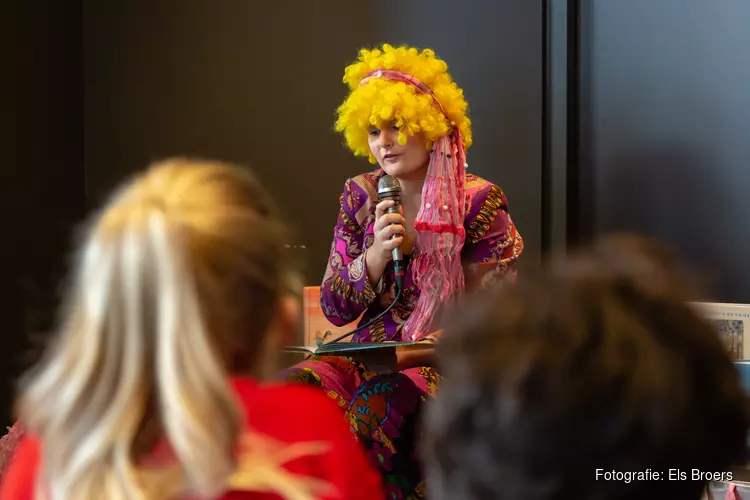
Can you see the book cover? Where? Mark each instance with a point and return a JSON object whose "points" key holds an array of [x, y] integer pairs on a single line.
{"points": [[317, 328], [731, 321]]}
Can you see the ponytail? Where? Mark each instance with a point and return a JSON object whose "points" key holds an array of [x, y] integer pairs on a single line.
{"points": [[198, 412], [170, 275]]}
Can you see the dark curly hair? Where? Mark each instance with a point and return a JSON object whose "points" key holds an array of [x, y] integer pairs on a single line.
{"points": [[598, 363]]}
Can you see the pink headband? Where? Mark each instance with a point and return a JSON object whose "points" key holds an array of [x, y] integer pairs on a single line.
{"points": [[400, 76]]}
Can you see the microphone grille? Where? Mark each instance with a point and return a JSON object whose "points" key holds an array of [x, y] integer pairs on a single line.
{"points": [[388, 184]]}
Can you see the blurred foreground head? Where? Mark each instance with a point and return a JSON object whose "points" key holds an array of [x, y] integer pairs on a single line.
{"points": [[178, 282], [599, 363]]}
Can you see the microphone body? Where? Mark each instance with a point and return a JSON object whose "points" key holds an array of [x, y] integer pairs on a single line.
{"points": [[390, 189]]}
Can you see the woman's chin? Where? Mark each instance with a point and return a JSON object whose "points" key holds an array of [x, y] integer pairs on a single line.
{"points": [[391, 169], [403, 171]]}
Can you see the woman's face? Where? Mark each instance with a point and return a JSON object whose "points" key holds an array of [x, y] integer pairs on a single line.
{"points": [[408, 161]]}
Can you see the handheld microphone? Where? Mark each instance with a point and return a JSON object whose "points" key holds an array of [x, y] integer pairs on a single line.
{"points": [[390, 189]]}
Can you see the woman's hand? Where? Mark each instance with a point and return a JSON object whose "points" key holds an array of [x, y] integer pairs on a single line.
{"points": [[378, 360], [388, 230], [395, 360], [410, 358], [388, 233], [434, 336]]}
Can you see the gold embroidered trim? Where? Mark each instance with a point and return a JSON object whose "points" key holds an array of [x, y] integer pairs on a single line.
{"points": [[368, 183], [350, 224], [486, 216], [342, 288]]}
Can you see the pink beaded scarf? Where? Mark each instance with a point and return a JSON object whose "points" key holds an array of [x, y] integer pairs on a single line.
{"points": [[439, 224]]}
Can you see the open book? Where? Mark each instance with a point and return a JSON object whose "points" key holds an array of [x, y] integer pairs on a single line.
{"points": [[344, 348]]}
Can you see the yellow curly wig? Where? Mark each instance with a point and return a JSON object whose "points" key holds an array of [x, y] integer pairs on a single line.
{"points": [[381, 101]]}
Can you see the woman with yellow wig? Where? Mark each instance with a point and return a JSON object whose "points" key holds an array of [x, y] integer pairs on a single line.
{"points": [[405, 114]]}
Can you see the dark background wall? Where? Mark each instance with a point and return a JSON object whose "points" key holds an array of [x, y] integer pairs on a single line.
{"points": [[665, 109], [258, 83], [254, 83], [99, 89], [41, 171]]}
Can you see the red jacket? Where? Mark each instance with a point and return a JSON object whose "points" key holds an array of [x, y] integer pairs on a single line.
{"points": [[286, 413]]}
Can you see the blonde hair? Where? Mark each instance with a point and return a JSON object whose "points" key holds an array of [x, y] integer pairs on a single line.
{"points": [[382, 101], [179, 273]]}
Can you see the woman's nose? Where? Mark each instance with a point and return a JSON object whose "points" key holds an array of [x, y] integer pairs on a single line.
{"points": [[386, 139]]}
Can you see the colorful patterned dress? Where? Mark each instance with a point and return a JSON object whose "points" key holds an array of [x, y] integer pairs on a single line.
{"points": [[383, 409]]}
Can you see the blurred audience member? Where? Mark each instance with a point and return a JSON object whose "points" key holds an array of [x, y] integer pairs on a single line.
{"points": [[594, 381], [180, 294]]}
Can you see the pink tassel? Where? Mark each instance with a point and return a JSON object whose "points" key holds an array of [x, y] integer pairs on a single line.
{"points": [[440, 235]]}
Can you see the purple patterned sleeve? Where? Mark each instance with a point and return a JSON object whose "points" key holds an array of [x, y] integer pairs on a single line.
{"points": [[346, 291], [493, 244]]}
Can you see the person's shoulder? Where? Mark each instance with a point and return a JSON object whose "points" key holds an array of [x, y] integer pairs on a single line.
{"points": [[479, 189], [20, 470], [482, 196], [268, 391], [361, 192], [274, 404], [484, 201], [368, 180], [366, 184], [304, 416]]}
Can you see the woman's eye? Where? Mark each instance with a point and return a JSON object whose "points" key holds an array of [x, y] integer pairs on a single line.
{"points": [[374, 132]]}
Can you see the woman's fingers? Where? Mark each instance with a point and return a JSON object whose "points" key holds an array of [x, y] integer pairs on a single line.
{"points": [[393, 243], [389, 228], [382, 207], [387, 220], [393, 229]]}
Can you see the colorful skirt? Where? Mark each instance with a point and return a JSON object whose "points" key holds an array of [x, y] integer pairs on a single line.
{"points": [[383, 411]]}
